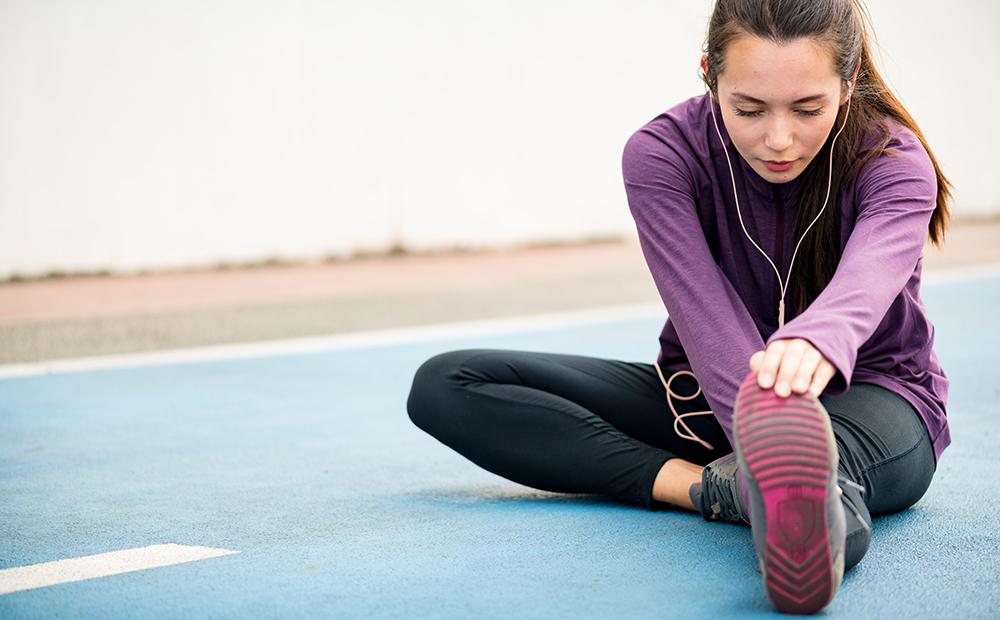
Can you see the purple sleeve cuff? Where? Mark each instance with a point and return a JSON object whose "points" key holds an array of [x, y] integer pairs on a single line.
{"points": [[842, 358]]}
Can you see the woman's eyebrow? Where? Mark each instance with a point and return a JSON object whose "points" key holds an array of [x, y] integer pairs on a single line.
{"points": [[743, 97]]}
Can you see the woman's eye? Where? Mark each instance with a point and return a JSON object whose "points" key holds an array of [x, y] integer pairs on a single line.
{"points": [[757, 113]]}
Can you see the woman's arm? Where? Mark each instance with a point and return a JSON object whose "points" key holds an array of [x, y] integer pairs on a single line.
{"points": [[897, 194], [715, 328]]}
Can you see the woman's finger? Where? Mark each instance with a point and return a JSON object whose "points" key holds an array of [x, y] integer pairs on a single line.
{"points": [[807, 369], [824, 373], [790, 363], [769, 366]]}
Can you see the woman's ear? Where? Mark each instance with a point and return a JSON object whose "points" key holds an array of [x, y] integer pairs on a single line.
{"points": [[848, 91], [704, 72]]}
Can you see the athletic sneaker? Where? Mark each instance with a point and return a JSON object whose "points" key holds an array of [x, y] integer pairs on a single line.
{"points": [[719, 498], [786, 450]]}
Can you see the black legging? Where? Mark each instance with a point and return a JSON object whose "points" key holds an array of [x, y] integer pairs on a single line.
{"points": [[578, 424]]}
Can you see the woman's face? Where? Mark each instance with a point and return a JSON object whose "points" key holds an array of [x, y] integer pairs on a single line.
{"points": [[761, 94]]}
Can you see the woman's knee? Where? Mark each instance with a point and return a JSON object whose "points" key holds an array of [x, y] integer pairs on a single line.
{"points": [[883, 444], [901, 483], [433, 383]]}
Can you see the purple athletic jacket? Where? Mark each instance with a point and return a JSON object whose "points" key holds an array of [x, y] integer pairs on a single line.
{"points": [[721, 295]]}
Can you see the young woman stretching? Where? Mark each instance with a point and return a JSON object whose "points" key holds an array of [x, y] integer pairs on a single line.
{"points": [[783, 216]]}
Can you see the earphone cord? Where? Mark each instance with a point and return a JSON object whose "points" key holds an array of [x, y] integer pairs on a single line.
{"points": [[679, 418], [782, 284]]}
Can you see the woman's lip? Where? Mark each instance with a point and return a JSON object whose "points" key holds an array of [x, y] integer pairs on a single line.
{"points": [[776, 167], [779, 163]]}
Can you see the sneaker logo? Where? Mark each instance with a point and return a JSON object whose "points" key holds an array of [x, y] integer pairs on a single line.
{"points": [[796, 520]]}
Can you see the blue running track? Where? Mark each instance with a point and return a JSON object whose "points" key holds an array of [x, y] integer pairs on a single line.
{"points": [[308, 465]]}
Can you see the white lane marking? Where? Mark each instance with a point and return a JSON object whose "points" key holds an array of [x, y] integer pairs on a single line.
{"points": [[102, 565], [944, 275], [402, 335], [353, 340]]}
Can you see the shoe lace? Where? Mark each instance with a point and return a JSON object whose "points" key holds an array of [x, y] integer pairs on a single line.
{"points": [[843, 481], [720, 490]]}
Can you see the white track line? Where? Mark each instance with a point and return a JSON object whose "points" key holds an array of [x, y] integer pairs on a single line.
{"points": [[403, 335], [354, 340], [102, 565], [945, 275]]}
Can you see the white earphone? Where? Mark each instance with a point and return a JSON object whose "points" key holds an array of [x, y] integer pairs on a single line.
{"points": [[679, 417], [783, 284]]}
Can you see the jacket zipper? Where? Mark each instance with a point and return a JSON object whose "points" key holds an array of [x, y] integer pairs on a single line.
{"points": [[779, 258]]}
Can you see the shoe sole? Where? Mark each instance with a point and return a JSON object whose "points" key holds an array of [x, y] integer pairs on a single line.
{"points": [[786, 450]]}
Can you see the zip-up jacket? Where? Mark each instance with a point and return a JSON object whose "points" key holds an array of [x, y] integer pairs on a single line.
{"points": [[721, 295]]}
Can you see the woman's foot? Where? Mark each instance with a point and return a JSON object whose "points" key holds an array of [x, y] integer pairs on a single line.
{"points": [[717, 497], [786, 450]]}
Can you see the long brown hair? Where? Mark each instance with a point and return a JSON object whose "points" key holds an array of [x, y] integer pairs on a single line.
{"points": [[842, 27]]}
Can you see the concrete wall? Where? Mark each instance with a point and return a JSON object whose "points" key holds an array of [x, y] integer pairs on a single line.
{"points": [[142, 134]]}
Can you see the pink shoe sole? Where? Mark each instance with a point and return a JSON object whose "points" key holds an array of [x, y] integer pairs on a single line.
{"points": [[788, 455]]}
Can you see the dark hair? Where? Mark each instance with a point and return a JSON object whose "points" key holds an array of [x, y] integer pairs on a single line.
{"points": [[841, 26]]}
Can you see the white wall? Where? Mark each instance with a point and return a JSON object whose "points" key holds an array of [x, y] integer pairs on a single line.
{"points": [[141, 134]]}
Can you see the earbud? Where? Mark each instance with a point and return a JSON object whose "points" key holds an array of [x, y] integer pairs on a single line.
{"points": [[854, 78]]}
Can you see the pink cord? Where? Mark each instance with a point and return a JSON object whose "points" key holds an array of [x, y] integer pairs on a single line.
{"points": [[679, 418]]}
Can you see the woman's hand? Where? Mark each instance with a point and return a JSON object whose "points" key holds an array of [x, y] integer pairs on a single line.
{"points": [[792, 364]]}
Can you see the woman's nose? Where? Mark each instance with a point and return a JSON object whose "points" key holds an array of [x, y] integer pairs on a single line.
{"points": [[778, 137]]}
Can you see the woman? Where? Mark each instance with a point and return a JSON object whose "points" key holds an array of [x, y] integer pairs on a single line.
{"points": [[769, 255]]}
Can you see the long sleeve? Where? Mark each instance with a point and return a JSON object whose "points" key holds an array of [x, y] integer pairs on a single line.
{"points": [[897, 195], [713, 324]]}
